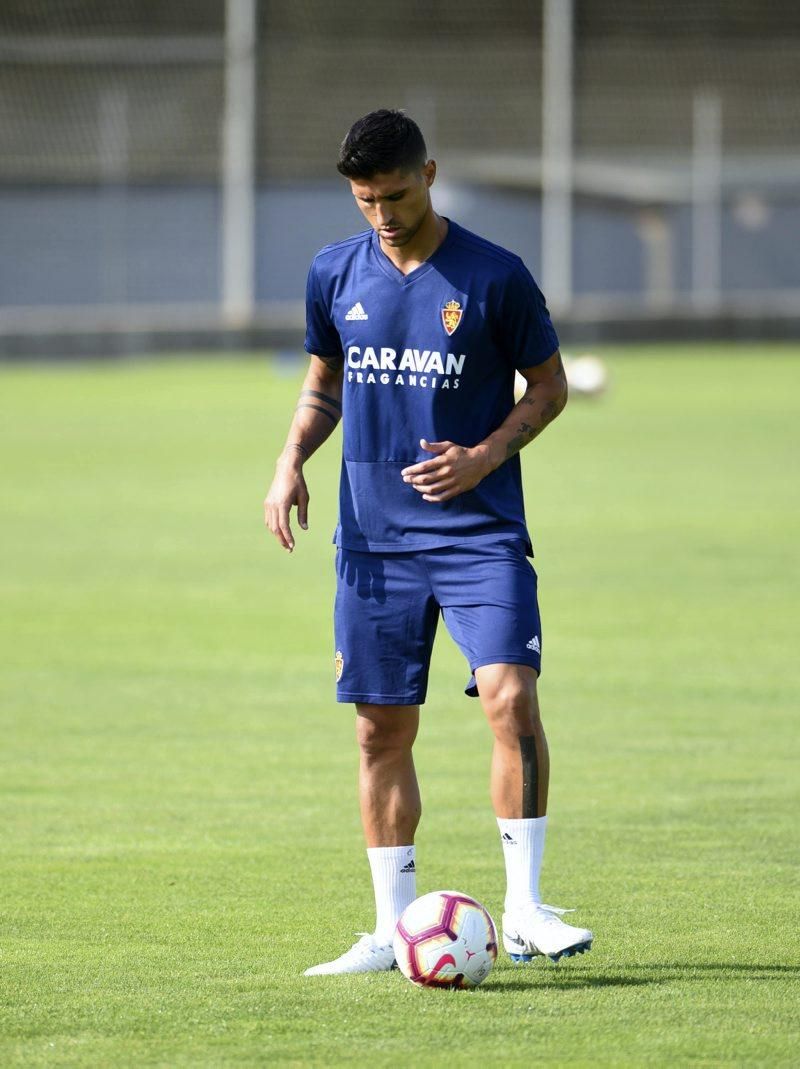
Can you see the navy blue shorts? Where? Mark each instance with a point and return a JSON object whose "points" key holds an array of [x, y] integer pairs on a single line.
{"points": [[388, 605]]}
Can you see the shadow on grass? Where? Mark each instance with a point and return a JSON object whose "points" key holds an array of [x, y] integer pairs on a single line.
{"points": [[536, 980], [736, 970], [525, 978]]}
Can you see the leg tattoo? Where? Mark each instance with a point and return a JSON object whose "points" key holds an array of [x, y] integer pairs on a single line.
{"points": [[530, 777]]}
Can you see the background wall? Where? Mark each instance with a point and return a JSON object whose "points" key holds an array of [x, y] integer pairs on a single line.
{"points": [[680, 154]]}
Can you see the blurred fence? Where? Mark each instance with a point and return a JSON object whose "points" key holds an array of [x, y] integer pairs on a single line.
{"points": [[169, 165]]}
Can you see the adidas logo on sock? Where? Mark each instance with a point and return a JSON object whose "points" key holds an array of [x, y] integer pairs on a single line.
{"points": [[508, 840], [357, 312], [410, 867]]}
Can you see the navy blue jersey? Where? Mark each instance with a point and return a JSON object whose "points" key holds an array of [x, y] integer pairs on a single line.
{"points": [[432, 355]]}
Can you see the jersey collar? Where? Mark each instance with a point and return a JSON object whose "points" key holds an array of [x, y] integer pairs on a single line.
{"points": [[392, 272]]}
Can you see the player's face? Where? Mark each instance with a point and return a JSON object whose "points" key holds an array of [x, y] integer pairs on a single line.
{"points": [[396, 204]]}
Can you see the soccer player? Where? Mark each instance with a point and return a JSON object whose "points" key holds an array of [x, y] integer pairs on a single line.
{"points": [[415, 328]]}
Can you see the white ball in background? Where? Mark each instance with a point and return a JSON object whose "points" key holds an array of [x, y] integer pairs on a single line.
{"points": [[587, 375], [520, 386]]}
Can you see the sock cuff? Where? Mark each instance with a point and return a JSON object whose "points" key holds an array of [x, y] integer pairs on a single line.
{"points": [[521, 825], [394, 881], [523, 847], [391, 853]]}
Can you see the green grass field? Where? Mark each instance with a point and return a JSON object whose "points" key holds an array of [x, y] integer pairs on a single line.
{"points": [[179, 836]]}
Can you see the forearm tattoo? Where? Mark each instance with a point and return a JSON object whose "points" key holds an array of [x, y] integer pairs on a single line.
{"points": [[300, 448], [526, 432], [322, 397], [560, 376], [319, 408]]}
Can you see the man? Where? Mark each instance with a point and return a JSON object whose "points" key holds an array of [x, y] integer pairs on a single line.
{"points": [[415, 328]]}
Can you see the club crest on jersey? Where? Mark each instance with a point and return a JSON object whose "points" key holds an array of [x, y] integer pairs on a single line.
{"points": [[451, 317], [338, 662]]}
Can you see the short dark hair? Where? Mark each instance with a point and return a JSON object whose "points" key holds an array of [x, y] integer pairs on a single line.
{"points": [[383, 141]]}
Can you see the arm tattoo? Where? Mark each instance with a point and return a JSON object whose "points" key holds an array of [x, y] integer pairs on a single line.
{"points": [[529, 397], [322, 397], [319, 408], [332, 363], [561, 374], [301, 448], [526, 433]]}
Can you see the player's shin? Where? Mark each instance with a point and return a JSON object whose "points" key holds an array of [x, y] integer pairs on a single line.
{"points": [[394, 881], [523, 838]]}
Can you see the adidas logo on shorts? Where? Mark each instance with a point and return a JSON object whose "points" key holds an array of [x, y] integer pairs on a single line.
{"points": [[534, 644]]}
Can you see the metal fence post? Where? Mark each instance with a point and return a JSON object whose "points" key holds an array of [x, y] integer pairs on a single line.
{"points": [[238, 163], [557, 108]]}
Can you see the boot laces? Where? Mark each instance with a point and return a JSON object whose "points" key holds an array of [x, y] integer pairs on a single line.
{"points": [[552, 914], [364, 950]]}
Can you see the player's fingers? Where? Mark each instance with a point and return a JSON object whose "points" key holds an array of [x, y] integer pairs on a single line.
{"points": [[433, 487], [445, 496], [284, 530], [441, 471], [434, 447], [302, 511], [273, 525], [423, 468], [269, 515]]}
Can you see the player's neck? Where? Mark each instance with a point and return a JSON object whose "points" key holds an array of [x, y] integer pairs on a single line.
{"points": [[422, 246]]}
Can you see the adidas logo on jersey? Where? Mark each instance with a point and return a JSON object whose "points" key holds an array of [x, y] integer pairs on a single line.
{"points": [[534, 644], [357, 312]]}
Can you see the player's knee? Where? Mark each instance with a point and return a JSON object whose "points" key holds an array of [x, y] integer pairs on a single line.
{"points": [[382, 734], [511, 706]]}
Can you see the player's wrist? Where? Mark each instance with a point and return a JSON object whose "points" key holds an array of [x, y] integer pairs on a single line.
{"points": [[491, 455], [486, 454], [294, 455]]}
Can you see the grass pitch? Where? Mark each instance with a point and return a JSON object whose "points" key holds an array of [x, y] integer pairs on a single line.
{"points": [[180, 836]]}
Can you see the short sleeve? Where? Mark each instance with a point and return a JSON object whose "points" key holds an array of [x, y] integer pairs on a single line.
{"points": [[322, 337], [525, 332]]}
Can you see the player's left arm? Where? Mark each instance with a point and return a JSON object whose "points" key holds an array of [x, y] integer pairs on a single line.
{"points": [[457, 468]]}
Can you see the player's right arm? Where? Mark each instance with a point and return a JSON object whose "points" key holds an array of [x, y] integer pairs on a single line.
{"points": [[319, 409]]}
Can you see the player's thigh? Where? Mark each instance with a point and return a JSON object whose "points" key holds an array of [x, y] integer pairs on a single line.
{"points": [[490, 605], [384, 622]]}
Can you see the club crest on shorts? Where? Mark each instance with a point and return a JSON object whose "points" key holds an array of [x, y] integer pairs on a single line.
{"points": [[451, 317], [338, 663]]}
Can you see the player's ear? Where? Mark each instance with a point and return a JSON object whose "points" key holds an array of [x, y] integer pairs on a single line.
{"points": [[429, 172]]}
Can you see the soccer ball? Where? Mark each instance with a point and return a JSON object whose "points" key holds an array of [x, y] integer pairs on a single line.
{"points": [[586, 375], [445, 939]]}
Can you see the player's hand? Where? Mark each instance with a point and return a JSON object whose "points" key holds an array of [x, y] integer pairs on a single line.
{"points": [[453, 470], [288, 489]]}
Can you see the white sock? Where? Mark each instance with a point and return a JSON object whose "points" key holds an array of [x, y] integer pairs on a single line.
{"points": [[523, 847], [394, 879]]}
